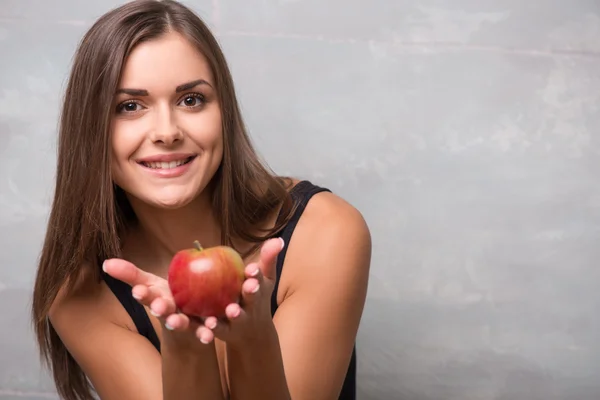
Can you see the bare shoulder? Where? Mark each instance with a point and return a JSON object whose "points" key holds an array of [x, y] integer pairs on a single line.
{"points": [[97, 332], [334, 225], [330, 232], [330, 213], [333, 214], [85, 294]]}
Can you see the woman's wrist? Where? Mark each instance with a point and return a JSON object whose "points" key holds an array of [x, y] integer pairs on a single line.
{"points": [[266, 338], [184, 343]]}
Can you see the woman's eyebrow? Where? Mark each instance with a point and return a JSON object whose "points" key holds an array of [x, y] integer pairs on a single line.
{"points": [[180, 88]]}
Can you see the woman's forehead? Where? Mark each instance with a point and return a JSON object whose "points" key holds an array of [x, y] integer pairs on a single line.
{"points": [[164, 63]]}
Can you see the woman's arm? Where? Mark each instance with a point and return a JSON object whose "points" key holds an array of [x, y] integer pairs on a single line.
{"points": [[305, 353], [122, 364]]}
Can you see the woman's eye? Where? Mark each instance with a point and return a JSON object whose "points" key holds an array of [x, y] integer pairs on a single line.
{"points": [[128, 107], [192, 101]]}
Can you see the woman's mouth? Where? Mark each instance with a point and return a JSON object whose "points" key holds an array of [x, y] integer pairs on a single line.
{"points": [[166, 164]]}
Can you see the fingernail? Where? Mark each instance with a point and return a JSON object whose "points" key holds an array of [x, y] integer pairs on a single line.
{"points": [[282, 242], [169, 327], [154, 313], [204, 340], [104, 266], [254, 272], [255, 289], [135, 296], [212, 324]]}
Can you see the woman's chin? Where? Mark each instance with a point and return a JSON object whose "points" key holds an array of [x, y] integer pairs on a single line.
{"points": [[171, 203], [166, 198], [167, 202]]}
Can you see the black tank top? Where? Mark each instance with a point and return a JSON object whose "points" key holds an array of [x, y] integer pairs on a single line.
{"points": [[301, 194]]}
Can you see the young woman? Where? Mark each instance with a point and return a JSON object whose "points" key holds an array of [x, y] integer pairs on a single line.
{"points": [[153, 155]]}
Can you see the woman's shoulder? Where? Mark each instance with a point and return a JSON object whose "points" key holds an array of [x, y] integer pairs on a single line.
{"points": [[325, 206], [331, 239], [83, 298], [331, 224]]}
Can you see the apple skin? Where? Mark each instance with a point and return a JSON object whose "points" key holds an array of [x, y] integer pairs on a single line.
{"points": [[204, 282]]}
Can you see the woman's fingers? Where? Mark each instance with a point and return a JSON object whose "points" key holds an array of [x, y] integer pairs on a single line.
{"points": [[268, 257], [128, 273], [205, 334], [148, 289], [162, 307], [235, 317], [253, 270], [177, 322], [251, 291], [153, 297], [144, 294]]}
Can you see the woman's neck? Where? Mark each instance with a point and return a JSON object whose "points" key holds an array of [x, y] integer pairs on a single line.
{"points": [[160, 233]]}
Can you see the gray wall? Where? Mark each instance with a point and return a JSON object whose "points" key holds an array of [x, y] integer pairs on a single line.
{"points": [[466, 131]]}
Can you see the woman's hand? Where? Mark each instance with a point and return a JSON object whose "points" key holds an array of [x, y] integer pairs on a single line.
{"points": [[153, 292], [244, 322], [247, 322]]}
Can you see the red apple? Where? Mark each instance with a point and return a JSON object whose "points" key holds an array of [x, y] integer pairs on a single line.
{"points": [[204, 281]]}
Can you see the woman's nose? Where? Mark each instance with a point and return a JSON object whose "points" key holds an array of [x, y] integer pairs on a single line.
{"points": [[166, 129]]}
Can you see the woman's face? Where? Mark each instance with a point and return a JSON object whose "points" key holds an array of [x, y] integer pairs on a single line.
{"points": [[166, 128]]}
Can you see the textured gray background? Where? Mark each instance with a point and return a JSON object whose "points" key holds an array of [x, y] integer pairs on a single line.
{"points": [[466, 131]]}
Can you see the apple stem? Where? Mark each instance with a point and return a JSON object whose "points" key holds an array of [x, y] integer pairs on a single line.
{"points": [[197, 245]]}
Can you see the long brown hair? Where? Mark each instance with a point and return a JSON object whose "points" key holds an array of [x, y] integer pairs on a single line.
{"points": [[89, 213]]}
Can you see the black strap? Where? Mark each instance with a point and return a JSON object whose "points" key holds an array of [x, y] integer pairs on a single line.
{"points": [[136, 311]]}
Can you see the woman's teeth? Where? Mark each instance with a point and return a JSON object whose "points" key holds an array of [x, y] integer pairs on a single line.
{"points": [[165, 165]]}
